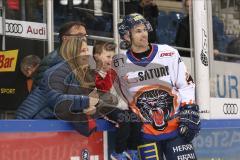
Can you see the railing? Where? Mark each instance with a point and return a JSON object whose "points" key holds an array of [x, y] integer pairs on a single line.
{"points": [[220, 53], [93, 37]]}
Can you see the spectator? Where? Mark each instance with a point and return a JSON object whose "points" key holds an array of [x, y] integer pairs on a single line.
{"points": [[35, 105], [99, 18], [159, 90], [96, 14], [234, 48], [150, 11], [28, 67], [68, 9], [34, 10], [238, 5], [127, 133], [183, 33]]}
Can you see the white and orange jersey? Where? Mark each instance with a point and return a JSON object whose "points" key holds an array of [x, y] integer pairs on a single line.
{"points": [[155, 87]]}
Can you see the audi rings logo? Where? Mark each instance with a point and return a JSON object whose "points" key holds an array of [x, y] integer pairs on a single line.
{"points": [[14, 28], [229, 108]]}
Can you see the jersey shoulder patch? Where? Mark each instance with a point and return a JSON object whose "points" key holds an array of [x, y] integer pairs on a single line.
{"points": [[119, 60]]}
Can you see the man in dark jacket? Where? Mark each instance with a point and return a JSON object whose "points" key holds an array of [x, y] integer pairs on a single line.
{"points": [[73, 28]]}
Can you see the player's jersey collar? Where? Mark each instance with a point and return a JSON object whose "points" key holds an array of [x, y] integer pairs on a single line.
{"points": [[144, 61]]}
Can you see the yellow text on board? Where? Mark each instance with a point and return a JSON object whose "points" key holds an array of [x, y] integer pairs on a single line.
{"points": [[8, 60], [7, 90]]}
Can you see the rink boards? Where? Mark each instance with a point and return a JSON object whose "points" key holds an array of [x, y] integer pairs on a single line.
{"points": [[53, 139]]}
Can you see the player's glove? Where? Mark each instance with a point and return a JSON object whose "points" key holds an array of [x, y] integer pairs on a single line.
{"points": [[189, 121]]}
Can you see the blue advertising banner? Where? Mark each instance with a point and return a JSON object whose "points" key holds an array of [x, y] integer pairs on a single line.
{"points": [[218, 140]]}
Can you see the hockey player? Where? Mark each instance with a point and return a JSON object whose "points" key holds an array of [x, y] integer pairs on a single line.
{"points": [[160, 91]]}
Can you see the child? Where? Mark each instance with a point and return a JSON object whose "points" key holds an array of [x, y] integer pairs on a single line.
{"points": [[127, 132], [28, 66]]}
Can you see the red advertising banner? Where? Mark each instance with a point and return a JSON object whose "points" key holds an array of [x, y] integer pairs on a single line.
{"points": [[51, 146], [13, 4]]}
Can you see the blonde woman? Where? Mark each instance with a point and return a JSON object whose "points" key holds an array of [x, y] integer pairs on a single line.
{"points": [[70, 85]]}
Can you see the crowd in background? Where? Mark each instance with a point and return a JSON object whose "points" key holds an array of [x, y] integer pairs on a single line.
{"points": [[97, 15]]}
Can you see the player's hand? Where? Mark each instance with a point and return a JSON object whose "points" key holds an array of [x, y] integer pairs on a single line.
{"points": [[189, 120], [90, 110]]}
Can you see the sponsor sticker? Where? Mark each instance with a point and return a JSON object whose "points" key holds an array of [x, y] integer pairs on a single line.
{"points": [[8, 60], [230, 108], [25, 29], [166, 54]]}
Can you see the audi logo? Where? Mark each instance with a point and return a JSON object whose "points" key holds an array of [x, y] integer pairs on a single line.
{"points": [[14, 28], [229, 108]]}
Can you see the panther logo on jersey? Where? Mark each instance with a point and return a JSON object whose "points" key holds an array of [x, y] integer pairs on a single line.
{"points": [[156, 106]]}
